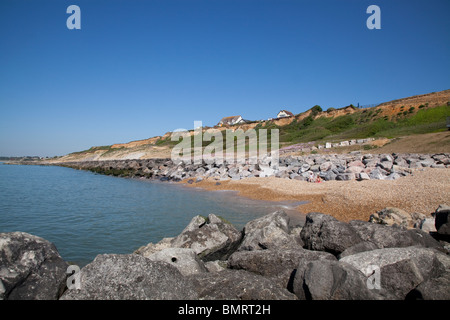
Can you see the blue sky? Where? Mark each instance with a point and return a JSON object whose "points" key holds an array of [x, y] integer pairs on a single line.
{"points": [[139, 69]]}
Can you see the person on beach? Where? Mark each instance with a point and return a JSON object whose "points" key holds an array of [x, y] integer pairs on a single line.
{"points": [[313, 178]]}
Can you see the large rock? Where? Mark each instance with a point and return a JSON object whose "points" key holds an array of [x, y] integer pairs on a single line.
{"points": [[357, 248], [363, 176], [279, 266], [354, 169], [325, 166], [269, 232], [238, 285], [335, 280], [377, 174], [391, 216], [346, 176], [151, 248], [328, 175], [211, 238], [185, 260], [384, 236], [432, 289], [356, 163], [400, 269], [216, 266], [427, 225], [442, 220], [131, 277], [266, 170], [325, 233], [386, 165], [30, 268]]}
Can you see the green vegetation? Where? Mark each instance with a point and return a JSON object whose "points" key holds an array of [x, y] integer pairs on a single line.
{"points": [[315, 110], [93, 149], [369, 147], [364, 124], [166, 142], [340, 124]]}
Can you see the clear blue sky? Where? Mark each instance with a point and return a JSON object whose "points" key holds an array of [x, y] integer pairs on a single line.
{"points": [[138, 69]]}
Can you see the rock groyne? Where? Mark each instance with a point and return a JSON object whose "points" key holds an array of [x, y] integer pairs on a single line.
{"points": [[308, 168]]}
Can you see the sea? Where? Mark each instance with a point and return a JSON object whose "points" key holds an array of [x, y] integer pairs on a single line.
{"points": [[85, 214]]}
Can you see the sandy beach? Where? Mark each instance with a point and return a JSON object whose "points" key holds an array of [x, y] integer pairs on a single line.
{"points": [[422, 192]]}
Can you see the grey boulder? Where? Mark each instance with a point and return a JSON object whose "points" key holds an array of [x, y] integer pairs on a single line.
{"points": [[237, 285], [30, 268], [432, 289], [216, 266], [384, 236], [211, 238], [334, 280], [400, 269], [185, 260], [152, 248], [325, 233], [391, 216], [427, 225], [130, 277], [357, 248], [279, 266], [269, 232], [442, 220]]}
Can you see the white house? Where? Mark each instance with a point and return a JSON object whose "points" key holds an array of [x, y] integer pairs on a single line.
{"points": [[231, 121], [284, 114]]}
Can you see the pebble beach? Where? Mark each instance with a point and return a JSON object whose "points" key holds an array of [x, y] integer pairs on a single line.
{"points": [[422, 191]]}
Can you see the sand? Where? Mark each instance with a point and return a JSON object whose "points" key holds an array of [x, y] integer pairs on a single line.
{"points": [[422, 192]]}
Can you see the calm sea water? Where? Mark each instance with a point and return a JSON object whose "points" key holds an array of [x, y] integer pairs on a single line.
{"points": [[86, 214]]}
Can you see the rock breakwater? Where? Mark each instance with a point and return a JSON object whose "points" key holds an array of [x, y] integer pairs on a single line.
{"points": [[308, 168], [325, 259]]}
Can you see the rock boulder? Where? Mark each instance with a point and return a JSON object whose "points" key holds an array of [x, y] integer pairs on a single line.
{"points": [[384, 236], [211, 238], [401, 269], [279, 266], [432, 289], [390, 216], [185, 260], [30, 268], [325, 233], [269, 232], [442, 221], [334, 280], [131, 277], [238, 285]]}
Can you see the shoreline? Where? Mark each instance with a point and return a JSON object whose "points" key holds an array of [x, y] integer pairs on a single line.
{"points": [[422, 192], [290, 206], [412, 182]]}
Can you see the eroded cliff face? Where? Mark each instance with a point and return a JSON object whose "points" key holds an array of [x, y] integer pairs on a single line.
{"points": [[153, 148]]}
